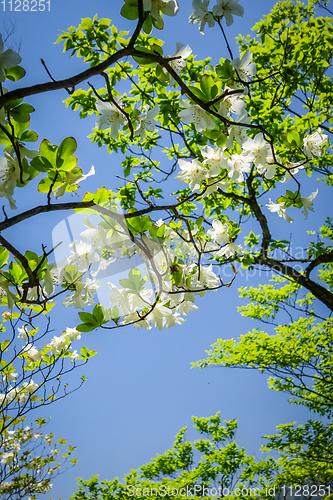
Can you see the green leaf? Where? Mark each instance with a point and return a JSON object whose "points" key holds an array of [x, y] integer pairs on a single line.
{"points": [[115, 315], [22, 112], [198, 93], [86, 327], [42, 164], [86, 24], [29, 136], [67, 148], [4, 254], [130, 12], [101, 196], [45, 185], [98, 313], [142, 61], [158, 23], [4, 345], [86, 353], [148, 25], [224, 70], [16, 271], [162, 75], [134, 282], [15, 73], [48, 151], [293, 138], [221, 140], [206, 84], [139, 225], [89, 319]]}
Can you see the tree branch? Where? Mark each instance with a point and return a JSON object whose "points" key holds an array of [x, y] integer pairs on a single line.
{"points": [[321, 293]]}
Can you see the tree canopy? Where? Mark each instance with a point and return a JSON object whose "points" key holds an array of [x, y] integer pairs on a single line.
{"points": [[205, 149]]}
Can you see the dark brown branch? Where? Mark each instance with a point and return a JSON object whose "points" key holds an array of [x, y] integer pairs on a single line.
{"points": [[321, 293], [141, 20], [68, 82], [85, 75], [321, 259], [33, 281], [261, 218], [70, 91]]}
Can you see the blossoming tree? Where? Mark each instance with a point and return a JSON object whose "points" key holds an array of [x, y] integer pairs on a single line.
{"points": [[221, 140]]}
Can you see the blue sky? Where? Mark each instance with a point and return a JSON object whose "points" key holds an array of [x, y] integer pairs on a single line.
{"points": [[140, 389]]}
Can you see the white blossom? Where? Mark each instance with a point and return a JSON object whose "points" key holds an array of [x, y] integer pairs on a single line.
{"points": [[167, 7], [196, 115], [8, 59], [237, 132], [137, 322], [192, 172], [228, 9], [269, 169], [74, 355], [32, 353], [219, 232], [7, 458], [158, 316], [9, 377], [30, 387], [280, 209], [215, 159], [256, 150], [229, 250], [238, 166], [232, 104], [178, 64], [186, 306], [293, 169], [72, 333], [313, 144], [207, 277], [138, 300], [147, 121], [173, 320], [96, 236], [201, 15], [244, 67], [308, 203], [213, 183], [84, 294], [57, 344], [119, 298], [10, 174], [83, 255], [111, 117]]}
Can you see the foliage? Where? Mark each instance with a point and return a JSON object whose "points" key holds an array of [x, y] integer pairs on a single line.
{"points": [[222, 469], [233, 133]]}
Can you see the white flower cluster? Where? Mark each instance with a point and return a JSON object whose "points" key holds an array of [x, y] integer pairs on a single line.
{"points": [[219, 233], [11, 444], [32, 354], [223, 8], [158, 295], [111, 117], [9, 177], [218, 165], [18, 394]]}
